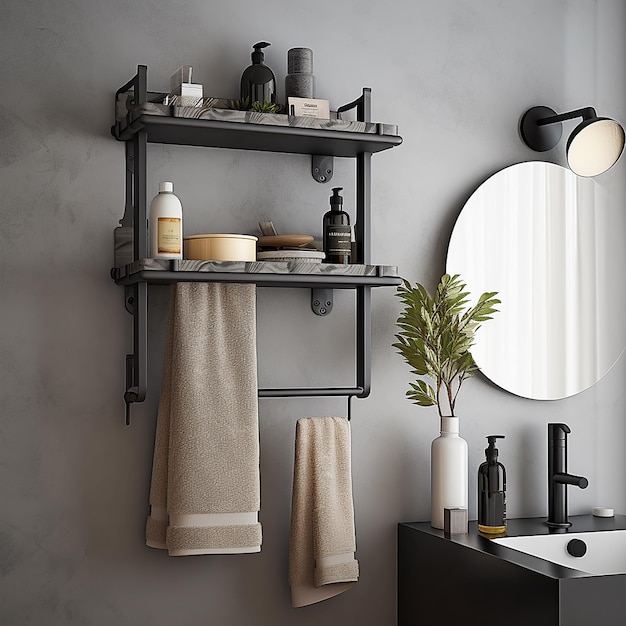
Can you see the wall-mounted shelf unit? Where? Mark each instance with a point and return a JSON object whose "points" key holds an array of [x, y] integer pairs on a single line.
{"points": [[135, 271], [220, 134]]}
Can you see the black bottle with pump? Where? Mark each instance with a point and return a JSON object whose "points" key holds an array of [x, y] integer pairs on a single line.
{"points": [[258, 83], [492, 492], [336, 230]]}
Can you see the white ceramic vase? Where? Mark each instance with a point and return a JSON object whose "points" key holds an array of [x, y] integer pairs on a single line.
{"points": [[448, 471]]}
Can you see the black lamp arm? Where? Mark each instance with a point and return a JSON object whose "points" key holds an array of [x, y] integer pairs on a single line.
{"points": [[587, 113]]}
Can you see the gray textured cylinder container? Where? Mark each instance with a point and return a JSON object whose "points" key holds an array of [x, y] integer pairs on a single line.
{"points": [[300, 82]]}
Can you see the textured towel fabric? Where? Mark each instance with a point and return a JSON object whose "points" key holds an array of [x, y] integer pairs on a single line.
{"points": [[205, 490], [322, 540]]}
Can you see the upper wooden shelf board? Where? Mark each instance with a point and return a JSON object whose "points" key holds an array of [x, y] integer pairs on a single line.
{"points": [[262, 273], [212, 126]]}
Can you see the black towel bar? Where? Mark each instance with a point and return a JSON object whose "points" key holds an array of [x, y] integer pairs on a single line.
{"points": [[299, 392]]}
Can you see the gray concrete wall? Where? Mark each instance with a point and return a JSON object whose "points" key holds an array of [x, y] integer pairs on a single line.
{"points": [[455, 76]]}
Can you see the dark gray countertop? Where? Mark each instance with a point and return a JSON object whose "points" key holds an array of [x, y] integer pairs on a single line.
{"points": [[524, 527]]}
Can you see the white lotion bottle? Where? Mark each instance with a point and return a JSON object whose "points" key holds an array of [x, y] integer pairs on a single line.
{"points": [[166, 224]]}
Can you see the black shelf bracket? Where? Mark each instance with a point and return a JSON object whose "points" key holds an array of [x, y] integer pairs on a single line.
{"points": [[322, 301], [322, 168]]}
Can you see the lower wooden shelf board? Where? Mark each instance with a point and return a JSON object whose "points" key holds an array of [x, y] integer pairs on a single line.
{"points": [[262, 273]]}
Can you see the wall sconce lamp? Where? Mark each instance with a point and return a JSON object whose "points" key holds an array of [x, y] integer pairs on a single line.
{"points": [[594, 146]]}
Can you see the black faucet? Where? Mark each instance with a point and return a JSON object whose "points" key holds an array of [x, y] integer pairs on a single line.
{"points": [[558, 478]]}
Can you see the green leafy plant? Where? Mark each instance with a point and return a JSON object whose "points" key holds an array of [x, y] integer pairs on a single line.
{"points": [[240, 105], [257, 106], [265, 107], [436, 334]]}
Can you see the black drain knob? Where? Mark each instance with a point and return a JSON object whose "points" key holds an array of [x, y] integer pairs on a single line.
{"points": [[577, 548]]}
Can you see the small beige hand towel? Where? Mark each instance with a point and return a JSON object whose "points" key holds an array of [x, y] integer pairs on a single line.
{"points": [[205, 490], [322, 540]]}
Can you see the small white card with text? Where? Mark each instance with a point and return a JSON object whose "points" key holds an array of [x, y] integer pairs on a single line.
{"points": [[309, 107]]}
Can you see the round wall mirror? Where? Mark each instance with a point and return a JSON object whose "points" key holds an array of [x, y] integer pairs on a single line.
{"points": [[554, 249]]}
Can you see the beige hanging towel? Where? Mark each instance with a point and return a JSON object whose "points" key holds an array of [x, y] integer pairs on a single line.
{"points": [[205, 490], [322, 540]]}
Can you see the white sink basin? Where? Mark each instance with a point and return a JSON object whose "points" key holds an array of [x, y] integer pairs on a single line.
{"points": [[606, 550]]}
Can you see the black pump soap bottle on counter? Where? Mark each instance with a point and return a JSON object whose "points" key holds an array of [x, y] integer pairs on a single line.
{"points": [[492, 492], [336, 231], [258, 83]]}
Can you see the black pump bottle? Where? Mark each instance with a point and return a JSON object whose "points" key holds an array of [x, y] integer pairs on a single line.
{"points": [[258, 83], [492, 492], [336, 227]]}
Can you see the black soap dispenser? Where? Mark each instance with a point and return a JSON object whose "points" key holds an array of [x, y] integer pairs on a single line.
{"points": [[258, 83], [336, 231], [492, 492]]}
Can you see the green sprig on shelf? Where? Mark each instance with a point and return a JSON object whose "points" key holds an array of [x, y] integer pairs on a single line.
{"points": [[257, 106], [436, 334], [240, 105], [265, 107]]}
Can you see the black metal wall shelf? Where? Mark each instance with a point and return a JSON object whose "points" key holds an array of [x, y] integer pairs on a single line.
{"points": [[233, 135], [262, 280], [263, 274], [131, 240]]}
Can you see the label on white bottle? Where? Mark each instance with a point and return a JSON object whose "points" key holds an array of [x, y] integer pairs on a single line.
{"points": [[169, 235]]}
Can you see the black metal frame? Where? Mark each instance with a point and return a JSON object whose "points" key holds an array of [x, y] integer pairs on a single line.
{"points": [[137, 133]]}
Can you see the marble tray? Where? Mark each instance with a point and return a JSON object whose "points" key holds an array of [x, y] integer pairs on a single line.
{"points": [[218, 109], [259, 267]]}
